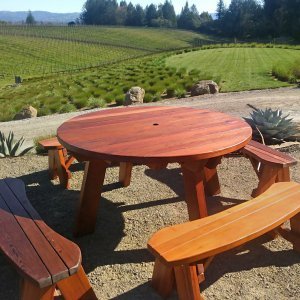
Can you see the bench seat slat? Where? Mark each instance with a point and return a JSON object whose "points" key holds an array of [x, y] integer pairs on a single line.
{"points": [[17, 248], [68, 251], [268, 155], [49, 257], [51, 143], [196, 240]]}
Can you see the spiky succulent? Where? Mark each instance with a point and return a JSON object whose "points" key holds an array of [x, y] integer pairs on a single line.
{"points": [[272, 124], [11, 147]]}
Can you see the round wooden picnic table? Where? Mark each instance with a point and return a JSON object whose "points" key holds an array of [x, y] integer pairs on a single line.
{"points": [[154, 136]]}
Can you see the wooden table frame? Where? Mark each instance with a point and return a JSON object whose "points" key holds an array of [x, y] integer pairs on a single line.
{"points": [[218, 134]]}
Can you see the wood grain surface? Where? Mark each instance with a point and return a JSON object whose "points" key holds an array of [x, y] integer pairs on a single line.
{"points": [[193, 241], [39, 253], [153, 134]]}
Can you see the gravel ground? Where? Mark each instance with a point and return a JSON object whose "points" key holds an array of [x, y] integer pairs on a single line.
{"points": [[115, 256], [287, 99]]}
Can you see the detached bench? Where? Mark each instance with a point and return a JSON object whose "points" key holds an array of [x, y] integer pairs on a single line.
{"points": [[45, 260], [182, 250], [60, 161], [269, 165]]}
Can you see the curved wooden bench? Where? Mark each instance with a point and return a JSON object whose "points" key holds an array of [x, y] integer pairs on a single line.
{"points": [[179, 249], [44, 259], [270, 165], [60, 162]]}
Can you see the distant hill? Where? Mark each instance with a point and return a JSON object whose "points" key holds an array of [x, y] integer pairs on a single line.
{"points": [[39, 16]]}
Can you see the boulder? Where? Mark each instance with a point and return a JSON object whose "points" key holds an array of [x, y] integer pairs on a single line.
{"points": [[134, 96], [204, 87], [26, 113]]}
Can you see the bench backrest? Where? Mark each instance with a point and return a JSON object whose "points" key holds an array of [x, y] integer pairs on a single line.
{"points": [[200, 239], [268, 155], [37, 252]]}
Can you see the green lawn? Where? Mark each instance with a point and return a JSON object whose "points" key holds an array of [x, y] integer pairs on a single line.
{"points": [[238, 68]]}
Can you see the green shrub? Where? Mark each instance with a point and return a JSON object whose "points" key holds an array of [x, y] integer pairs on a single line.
{"points": [[148, 98], [180, 93], [120, 99], [156, 97], [68, 107], [170, 91], [95, 102]]}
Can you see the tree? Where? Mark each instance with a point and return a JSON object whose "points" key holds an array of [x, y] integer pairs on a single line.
{"points": [[151, 14], [30, 19], [168, 13], [221, 9]]}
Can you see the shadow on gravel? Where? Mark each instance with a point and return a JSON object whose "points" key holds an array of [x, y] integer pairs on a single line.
{"points": [[253, 255]]}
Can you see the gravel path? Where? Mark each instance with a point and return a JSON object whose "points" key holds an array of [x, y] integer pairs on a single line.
{"points": [[287, 99], [115, 256]]}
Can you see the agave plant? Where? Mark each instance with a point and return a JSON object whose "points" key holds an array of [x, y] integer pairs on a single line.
{"points": [[11, 147], [271, 124]]}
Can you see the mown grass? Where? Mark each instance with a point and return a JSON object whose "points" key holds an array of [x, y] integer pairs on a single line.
{"points": [[239, 68]]}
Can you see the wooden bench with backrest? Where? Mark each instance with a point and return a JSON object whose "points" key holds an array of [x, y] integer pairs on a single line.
{"points": [[269, 164], [46, 261], [60, 161], [181, 250]]}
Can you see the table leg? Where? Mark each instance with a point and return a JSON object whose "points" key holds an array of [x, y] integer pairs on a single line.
{"points": [[212, 184], [90, 194], [193, 177]]}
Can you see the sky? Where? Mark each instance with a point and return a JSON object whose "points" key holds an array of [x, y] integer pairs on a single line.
{"points": [[63, 6]]}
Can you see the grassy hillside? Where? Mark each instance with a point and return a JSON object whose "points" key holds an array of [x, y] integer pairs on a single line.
{"points": [[37, 50], [238, 68]]}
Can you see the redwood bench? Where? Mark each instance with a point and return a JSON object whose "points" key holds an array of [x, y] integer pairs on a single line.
{"points": [[269, 165], [60, 161], [183, 251], [45, 260]]}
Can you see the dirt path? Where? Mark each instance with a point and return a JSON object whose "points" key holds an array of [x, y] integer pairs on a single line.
{"points": [[287, 99]]}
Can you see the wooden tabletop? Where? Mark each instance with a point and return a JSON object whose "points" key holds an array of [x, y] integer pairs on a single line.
{"points": [[154, 134]]}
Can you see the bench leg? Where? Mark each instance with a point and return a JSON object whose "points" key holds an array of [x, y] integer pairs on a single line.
{"points": [[90, 195], [52, 164], [163, 279], [125, 173], [187, 282], [283, 175], [266, 176], [76, 286], [63, 173], [30, 291], [295, 229], [212, 184]]}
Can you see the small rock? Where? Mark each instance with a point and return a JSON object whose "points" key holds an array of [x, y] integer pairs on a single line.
{"points": [[204, 87], [134, 96], [26, 113]]}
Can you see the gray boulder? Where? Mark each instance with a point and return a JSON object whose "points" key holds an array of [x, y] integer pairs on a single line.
{"points": [[204, 87], [134, 96], [26, 113]]}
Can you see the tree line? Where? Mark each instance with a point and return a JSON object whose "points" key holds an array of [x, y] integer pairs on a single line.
{"points": [[110, 12], [257, 19], [241, 19]]}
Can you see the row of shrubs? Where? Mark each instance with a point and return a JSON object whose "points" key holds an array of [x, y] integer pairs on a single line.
{"points": [[100, 87], [289, 73]]}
